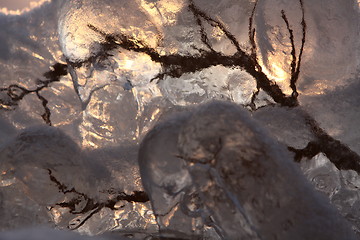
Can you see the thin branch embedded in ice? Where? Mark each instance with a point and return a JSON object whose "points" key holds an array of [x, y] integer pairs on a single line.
{"points": [[92, 206], [204, 37], [252, 35], [175, 65], [293, 51], [215, 23], [337, 152], [303, 25], [15, 93], [295, 63]]}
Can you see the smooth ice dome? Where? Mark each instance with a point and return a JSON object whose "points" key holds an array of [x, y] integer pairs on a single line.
{"points": [[215, 162]]}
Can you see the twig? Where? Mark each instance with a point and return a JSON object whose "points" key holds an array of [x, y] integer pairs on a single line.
{"points": [[17, 92], [295, 65], [197, 12], [252, 35], [204, 37], [293, 52]]}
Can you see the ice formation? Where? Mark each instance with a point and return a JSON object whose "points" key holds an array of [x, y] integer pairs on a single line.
{"points": [[219, 165], [41, 233], [104, 73], [67, 186]]}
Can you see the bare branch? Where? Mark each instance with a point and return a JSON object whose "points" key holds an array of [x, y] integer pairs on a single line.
{"points": [[303, 25], [295, 65], [16, 92], [337, 152], [175, 65], [293, 52], [45, 116], [252, 32], [198, 13], [204, 37], [310, 151], [92, 206]]}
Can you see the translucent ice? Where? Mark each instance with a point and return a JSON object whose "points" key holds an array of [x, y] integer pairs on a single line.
{"points": [[340, 186], [42, 234], [43, 168], [130, 64], [228, 172]]}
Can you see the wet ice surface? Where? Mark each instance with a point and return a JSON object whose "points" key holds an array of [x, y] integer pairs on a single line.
{"points": [[100, 58], [226, 173], [70, 188]]}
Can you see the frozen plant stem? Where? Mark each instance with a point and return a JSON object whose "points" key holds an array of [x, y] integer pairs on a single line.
{"points": [[17, 92], [338, 153], [92, 206], [176, 65]]}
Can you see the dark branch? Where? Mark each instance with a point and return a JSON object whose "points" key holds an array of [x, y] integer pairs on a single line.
{"points": [[198, 13], [204, 37], [293, 53], [310, 151], [92, 206], [338, 153], [175, 65], [17, 92], [46, 115], [303, 25], [295, 65]]}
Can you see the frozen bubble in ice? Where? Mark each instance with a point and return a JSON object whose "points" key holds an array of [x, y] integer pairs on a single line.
{"points": [[217, 164], [97, 63]]}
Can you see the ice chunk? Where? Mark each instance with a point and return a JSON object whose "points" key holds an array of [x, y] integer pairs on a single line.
{"points": [[39, 154], [48, 174], [42, 233], [166, 178], [228, 172], [118, 103], [341, 186]]}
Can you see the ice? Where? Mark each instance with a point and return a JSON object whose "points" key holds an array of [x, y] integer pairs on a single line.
{"points": [[46, 172], [287, 125], [100, 68], [340, 186], [165, 177], [104, 73], [42, 233], [234, 174]]}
